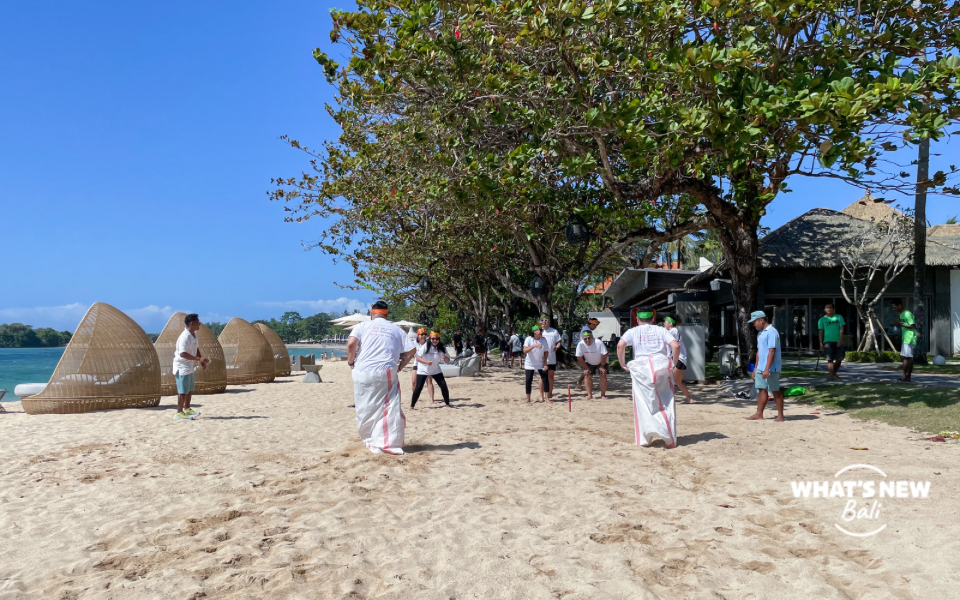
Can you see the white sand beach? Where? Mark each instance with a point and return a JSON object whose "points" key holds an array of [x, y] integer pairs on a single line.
{"points": [[271, 495]]}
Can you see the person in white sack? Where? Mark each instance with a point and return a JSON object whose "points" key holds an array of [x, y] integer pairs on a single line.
{"points": [[376, 351], [651, 375]]}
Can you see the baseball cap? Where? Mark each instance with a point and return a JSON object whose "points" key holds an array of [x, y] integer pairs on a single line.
{"points": [[757, 314]]}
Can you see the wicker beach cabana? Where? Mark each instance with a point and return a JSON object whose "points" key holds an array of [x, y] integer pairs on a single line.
{"points": [[213, 380], [109, 363], [280, 354], [247, 353]]}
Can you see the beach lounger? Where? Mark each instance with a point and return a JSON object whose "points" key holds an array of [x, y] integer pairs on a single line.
{"points": [[469, 367]]}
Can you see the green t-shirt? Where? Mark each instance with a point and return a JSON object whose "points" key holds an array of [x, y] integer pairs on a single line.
{"points": [[909, 335], [831, 327]]}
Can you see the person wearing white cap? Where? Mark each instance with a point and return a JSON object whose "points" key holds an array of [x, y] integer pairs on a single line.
{"points": [[767, 369], [651, 376]]}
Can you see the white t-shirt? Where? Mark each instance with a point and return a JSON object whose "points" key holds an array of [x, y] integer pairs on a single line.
{"points": [[593, 354], [549, 339], [433, 356], [675, 334], [648, 340], [534, 359], [515, 343], [381, 344], [187, 342]]}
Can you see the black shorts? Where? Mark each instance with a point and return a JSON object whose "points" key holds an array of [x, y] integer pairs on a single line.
{"points": [[833, 351], [552, 367], [681, 366], [593, 368]]}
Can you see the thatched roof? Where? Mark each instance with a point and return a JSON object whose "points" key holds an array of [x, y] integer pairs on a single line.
{"points": [[816, 238], [869, 209], [948, 235], [944, 230]]}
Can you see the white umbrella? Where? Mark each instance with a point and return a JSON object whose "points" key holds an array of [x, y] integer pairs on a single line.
{"points": [[351, 319], [407, 324]]}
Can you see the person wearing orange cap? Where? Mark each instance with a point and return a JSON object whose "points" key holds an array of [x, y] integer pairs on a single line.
{"points": [[421, 340], [428, 359], [377, 350]]}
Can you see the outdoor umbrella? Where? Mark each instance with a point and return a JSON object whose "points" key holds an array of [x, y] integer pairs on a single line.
{"points": [[351, 319]]}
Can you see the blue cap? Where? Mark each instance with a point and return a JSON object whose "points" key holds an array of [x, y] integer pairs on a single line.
{"points": [[757, 314]]}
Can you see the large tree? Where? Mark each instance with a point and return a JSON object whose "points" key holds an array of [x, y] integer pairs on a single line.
{"points": [[718, 102]]}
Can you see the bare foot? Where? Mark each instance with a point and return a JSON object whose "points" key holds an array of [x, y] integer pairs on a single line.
{"points": [[589, 397], [779, 419], [689, 401], [754, 418]]}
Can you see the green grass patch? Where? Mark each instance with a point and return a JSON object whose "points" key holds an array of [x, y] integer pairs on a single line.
{"points": [[929, 409], [713, 370], [953, 369]]}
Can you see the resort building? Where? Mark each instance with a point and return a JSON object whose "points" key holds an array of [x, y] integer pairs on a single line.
{"points": [[799, 266]]}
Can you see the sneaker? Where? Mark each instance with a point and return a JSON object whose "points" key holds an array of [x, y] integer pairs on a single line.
{"points": [[182, 416], [190, 412]]}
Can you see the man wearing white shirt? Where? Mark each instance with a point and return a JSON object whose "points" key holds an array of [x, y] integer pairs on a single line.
{"points": [[516, 346], [651, 375], [671, 326], [535, 361], [592, 324], [551, 343], [185, 359], [592, 356], [374, 349]]}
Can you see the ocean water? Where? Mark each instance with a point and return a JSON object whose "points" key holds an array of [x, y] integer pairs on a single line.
{"points": [[26, 365], [36, 365]]}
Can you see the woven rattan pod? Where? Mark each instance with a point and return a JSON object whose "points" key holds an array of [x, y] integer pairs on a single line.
{"points": [[280, 355], [248, 354], [109, 363], [213, 380]]}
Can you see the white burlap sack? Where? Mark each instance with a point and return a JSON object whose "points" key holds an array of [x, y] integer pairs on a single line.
{"points": [[654, 414], [380, 419]]}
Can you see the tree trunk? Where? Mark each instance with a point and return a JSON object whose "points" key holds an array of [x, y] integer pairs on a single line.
{"points": [[920, 251], [740, 242]]}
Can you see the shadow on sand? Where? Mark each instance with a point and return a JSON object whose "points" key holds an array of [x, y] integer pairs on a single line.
{"points": [[696, 438], [414, 448], [232, 418]]}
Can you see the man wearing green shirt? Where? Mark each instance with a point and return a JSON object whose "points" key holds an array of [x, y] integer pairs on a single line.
{"points": [[908, 326], [831, 334]]}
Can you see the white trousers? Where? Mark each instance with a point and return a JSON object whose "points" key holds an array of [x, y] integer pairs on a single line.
{"points": [[380, 419], [654, 413]]}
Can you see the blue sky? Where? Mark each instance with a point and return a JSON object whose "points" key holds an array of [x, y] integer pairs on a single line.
{"points": [[136, 148]]}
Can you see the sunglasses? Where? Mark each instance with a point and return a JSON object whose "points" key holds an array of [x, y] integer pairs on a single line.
{"points": [[435, 339]]}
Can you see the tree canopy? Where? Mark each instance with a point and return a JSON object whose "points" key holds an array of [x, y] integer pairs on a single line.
{"points": [[485, 126], [18, 335]]}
